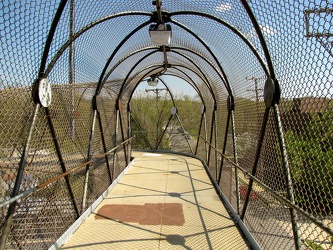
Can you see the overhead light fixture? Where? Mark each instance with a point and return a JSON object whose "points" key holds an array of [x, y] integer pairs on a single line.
{"points": [[160, 33], [152, 81]]}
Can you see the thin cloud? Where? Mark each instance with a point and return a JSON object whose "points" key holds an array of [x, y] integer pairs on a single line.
{"points": [[224, 7]]}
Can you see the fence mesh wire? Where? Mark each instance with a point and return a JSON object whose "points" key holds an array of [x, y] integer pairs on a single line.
{"points": [[216, 49]]}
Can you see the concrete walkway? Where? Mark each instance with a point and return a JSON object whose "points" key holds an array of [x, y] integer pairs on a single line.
{"points": [[163, 201]]}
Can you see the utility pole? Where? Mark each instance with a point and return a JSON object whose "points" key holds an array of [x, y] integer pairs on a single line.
{"points": [[71, 65], [156, 91], [256, 91], [314, 25]]}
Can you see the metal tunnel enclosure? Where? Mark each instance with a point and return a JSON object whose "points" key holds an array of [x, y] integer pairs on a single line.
{"points": [[262, 119]]}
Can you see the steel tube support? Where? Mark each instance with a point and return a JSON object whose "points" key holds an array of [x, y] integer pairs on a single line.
{"points": [[144, 136], [224, 145], [234, 139], [189, 145], [216, 154], [86, 179], [104, 145], [199, 134], [71, 64], [115, 140], [129, 131], [123, 136], [61, 160], [289, 182], [205, 127], [255, 165], [11, 209], [166, 127], [211, 133]]}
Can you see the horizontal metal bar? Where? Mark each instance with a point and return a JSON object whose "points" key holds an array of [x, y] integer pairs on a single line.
{"points": [[44, 184]]}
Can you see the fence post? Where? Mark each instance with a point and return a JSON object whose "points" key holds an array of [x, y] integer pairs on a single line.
{"points": [[285, 163], [11, 208], [86, 180]]}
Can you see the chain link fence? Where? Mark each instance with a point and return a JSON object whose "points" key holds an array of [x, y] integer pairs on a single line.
{"points": [[272, 161]]}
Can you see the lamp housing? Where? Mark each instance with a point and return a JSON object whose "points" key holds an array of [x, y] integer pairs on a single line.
{"points": [[160, 33], [152, 82]]}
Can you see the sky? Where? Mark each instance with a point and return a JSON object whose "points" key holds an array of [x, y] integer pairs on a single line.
{"points": [[297, 59], [177, 86]]}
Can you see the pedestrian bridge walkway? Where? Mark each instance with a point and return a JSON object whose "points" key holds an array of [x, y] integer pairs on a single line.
{"points": [[163, 201], [244, 86]]}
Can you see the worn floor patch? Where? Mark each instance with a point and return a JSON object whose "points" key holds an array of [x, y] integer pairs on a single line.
{"points": [[148, 214]]}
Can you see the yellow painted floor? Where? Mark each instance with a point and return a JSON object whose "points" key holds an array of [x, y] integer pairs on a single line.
{"points": [[163, 201]]}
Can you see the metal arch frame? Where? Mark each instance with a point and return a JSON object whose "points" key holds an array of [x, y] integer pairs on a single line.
{"points": [[102, 79], [133, 32], [125, 58], [208, 49], [229, 26], [218, 176], [203, 112], [201, 72], [233, 29], [86, 28], [42, 73], [151, 53], [138, 82], [125, 80], [271, 74], [158, 50], [63, 3], [190, 60], [213, 122], [98, 89], [142, 79], [168, 91], [192, 84], [205, 59], [108, 74], [293, 213], [213, 114], [202, 101], [119, 46], [151, 15], [171, 50]]}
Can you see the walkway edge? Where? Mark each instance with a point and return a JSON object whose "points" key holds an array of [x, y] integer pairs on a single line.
{"points": [[233, 214], [64, 238]]}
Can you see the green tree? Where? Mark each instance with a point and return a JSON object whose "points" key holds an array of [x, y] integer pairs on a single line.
{"points": [[151, 114], [311, 161]]}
